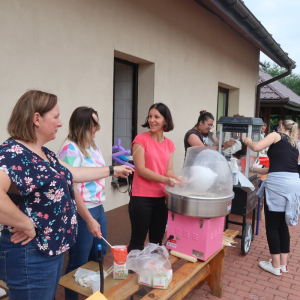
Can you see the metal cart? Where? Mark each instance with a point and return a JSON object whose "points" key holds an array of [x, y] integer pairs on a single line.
{"points": [[244, 201]]}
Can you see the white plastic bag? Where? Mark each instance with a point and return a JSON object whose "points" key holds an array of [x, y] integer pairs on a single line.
{"points": [[152, 264], [83, 276]]}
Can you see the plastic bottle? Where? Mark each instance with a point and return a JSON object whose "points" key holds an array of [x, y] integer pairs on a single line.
{"points": [[99, 247], [234, 169]]}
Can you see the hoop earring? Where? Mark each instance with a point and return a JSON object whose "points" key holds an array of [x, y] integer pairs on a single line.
{"points": [[37, 128]]}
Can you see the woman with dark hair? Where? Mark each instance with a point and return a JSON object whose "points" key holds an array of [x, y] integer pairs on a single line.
{"points": [[81, 150], [153, 160], [201, 135], [37, 200]]}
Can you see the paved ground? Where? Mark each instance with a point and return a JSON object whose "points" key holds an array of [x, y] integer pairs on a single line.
{"points": [[243, 278]]}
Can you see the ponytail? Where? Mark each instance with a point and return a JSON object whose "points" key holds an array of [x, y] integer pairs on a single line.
{"points": [[204, 116], [292, 127]]}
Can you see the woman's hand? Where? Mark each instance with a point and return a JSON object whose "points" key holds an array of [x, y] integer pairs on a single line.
{"points": [[180, 181], [228, 144], [24, 236], [247, 141], [122, 171], [94, 228], [171, 182]]}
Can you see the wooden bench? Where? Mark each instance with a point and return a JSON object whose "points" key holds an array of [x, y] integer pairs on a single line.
{"points": [[186, 278]]}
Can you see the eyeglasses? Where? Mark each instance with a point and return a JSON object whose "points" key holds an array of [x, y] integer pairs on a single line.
{"points": [[210, 125]]}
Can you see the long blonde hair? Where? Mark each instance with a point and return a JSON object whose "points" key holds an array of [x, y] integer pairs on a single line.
{"points": [[292, 127], [81, 123]]}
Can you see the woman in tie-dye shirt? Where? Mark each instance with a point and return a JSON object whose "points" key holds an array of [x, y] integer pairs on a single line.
{"points": [[79, 150]]}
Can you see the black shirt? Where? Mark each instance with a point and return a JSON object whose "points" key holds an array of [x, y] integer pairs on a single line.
{"points": [[206, 139], [283, 156]]}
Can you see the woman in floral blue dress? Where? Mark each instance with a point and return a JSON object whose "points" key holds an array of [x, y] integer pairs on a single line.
{"points": [[37, 199]]}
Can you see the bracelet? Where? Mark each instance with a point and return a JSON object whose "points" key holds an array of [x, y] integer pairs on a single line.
{"points": [[111, 170]]}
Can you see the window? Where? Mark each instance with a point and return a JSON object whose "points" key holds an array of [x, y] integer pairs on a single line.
{"points": [[125, 102], [222, 109]]}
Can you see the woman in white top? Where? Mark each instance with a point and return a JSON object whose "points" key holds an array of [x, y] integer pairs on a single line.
{"points": [[80, 150]]}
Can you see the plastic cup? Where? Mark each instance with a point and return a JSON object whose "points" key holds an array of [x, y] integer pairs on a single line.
{"points": [[95, 279]]}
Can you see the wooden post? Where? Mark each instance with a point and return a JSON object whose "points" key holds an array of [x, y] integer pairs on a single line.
{"points": [[283, 113], [216, 275], [267, 119], [294, 114]]}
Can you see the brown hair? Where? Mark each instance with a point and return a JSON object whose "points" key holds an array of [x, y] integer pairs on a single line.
{"points": [[204, 116], [20, 125], [80, 124], [292, 127], [165, 112]]}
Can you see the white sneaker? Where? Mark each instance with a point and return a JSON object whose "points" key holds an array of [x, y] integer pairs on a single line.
{"points": [[267, 266], [285, 269]]}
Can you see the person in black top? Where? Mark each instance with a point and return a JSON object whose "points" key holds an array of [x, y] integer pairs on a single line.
{"points": [[201, 135], [283, 154]]}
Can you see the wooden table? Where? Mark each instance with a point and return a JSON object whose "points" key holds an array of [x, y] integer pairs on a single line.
{"points": [[186, 278]]}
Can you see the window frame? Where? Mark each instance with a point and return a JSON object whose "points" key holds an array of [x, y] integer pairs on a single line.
{"points": [[134, 96]]}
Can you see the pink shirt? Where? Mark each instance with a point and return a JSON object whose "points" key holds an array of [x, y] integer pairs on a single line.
{"points": [[157, 157]]}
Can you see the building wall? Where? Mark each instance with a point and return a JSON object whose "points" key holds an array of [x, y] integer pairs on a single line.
{"points": [[68, 48]]}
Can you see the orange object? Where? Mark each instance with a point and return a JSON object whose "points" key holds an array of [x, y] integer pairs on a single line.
{"points": [[264, 161], [243, 163]]}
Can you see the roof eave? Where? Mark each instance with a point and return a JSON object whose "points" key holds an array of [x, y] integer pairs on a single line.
{"points": [[237, 15]]}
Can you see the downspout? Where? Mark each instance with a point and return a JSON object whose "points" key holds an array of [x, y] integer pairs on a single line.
{"points": [[259, 86]]}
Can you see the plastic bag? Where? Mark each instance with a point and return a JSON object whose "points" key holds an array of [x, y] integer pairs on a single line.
{"points": [[83, 276], [152, 263]]}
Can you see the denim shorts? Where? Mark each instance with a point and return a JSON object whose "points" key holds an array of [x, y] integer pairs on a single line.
{"points": [[28, 274]]}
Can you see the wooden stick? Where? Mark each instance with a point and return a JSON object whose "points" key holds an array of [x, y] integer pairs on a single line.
{"points": [[184, 256], [108, 271]]}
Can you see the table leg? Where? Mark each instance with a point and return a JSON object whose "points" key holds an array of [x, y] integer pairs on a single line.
{"points": [[216, 275]]}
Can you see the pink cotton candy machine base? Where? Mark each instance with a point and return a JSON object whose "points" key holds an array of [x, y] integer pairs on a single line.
{"points": [[195, 237]]}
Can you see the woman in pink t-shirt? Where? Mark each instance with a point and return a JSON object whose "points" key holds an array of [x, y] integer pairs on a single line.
{"points": [[153, 159]]}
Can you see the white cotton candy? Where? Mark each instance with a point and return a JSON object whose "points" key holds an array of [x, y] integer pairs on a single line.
{"points": [[202, 178]]}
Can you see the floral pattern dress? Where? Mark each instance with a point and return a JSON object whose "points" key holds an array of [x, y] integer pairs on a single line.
{"points": [[46, 195]]}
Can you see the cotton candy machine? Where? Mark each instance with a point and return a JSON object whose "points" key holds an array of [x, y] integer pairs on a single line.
{"points": [[207, 192], [197, 207]]}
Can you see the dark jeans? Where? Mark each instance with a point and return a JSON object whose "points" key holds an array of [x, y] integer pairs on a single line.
{"points": [[147, 214], [277, 231], [85, 248]]}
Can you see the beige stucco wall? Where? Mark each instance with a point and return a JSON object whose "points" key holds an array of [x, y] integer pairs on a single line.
{"points": [[67, 48]]}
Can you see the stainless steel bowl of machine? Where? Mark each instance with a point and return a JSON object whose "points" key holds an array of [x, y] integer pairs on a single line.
{"points": [[207, 191]]}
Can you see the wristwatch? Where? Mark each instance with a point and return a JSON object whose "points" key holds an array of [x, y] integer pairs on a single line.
{"points": [[111, 170]]}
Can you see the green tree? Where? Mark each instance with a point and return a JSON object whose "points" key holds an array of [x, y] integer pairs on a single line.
{"points": [[292, 81]]}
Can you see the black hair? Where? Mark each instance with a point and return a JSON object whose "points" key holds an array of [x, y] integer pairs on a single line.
{"points": [[204, 116], [165, 112]]}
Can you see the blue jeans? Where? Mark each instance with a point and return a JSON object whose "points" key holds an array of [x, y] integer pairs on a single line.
{"points": [[28, 274], [85, 248]]}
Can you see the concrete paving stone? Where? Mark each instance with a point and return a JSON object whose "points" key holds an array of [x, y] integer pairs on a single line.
{"points": [[232, 296], [245, 278], [229, 289], [293, 297], [239, 271], [256, 285], [257, 294], [276, 292], [279, 298], [282, 281], [241, 287], [290, 291]]}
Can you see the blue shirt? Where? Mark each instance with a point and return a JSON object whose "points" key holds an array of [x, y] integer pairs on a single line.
{"points": [[46, 195]]}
